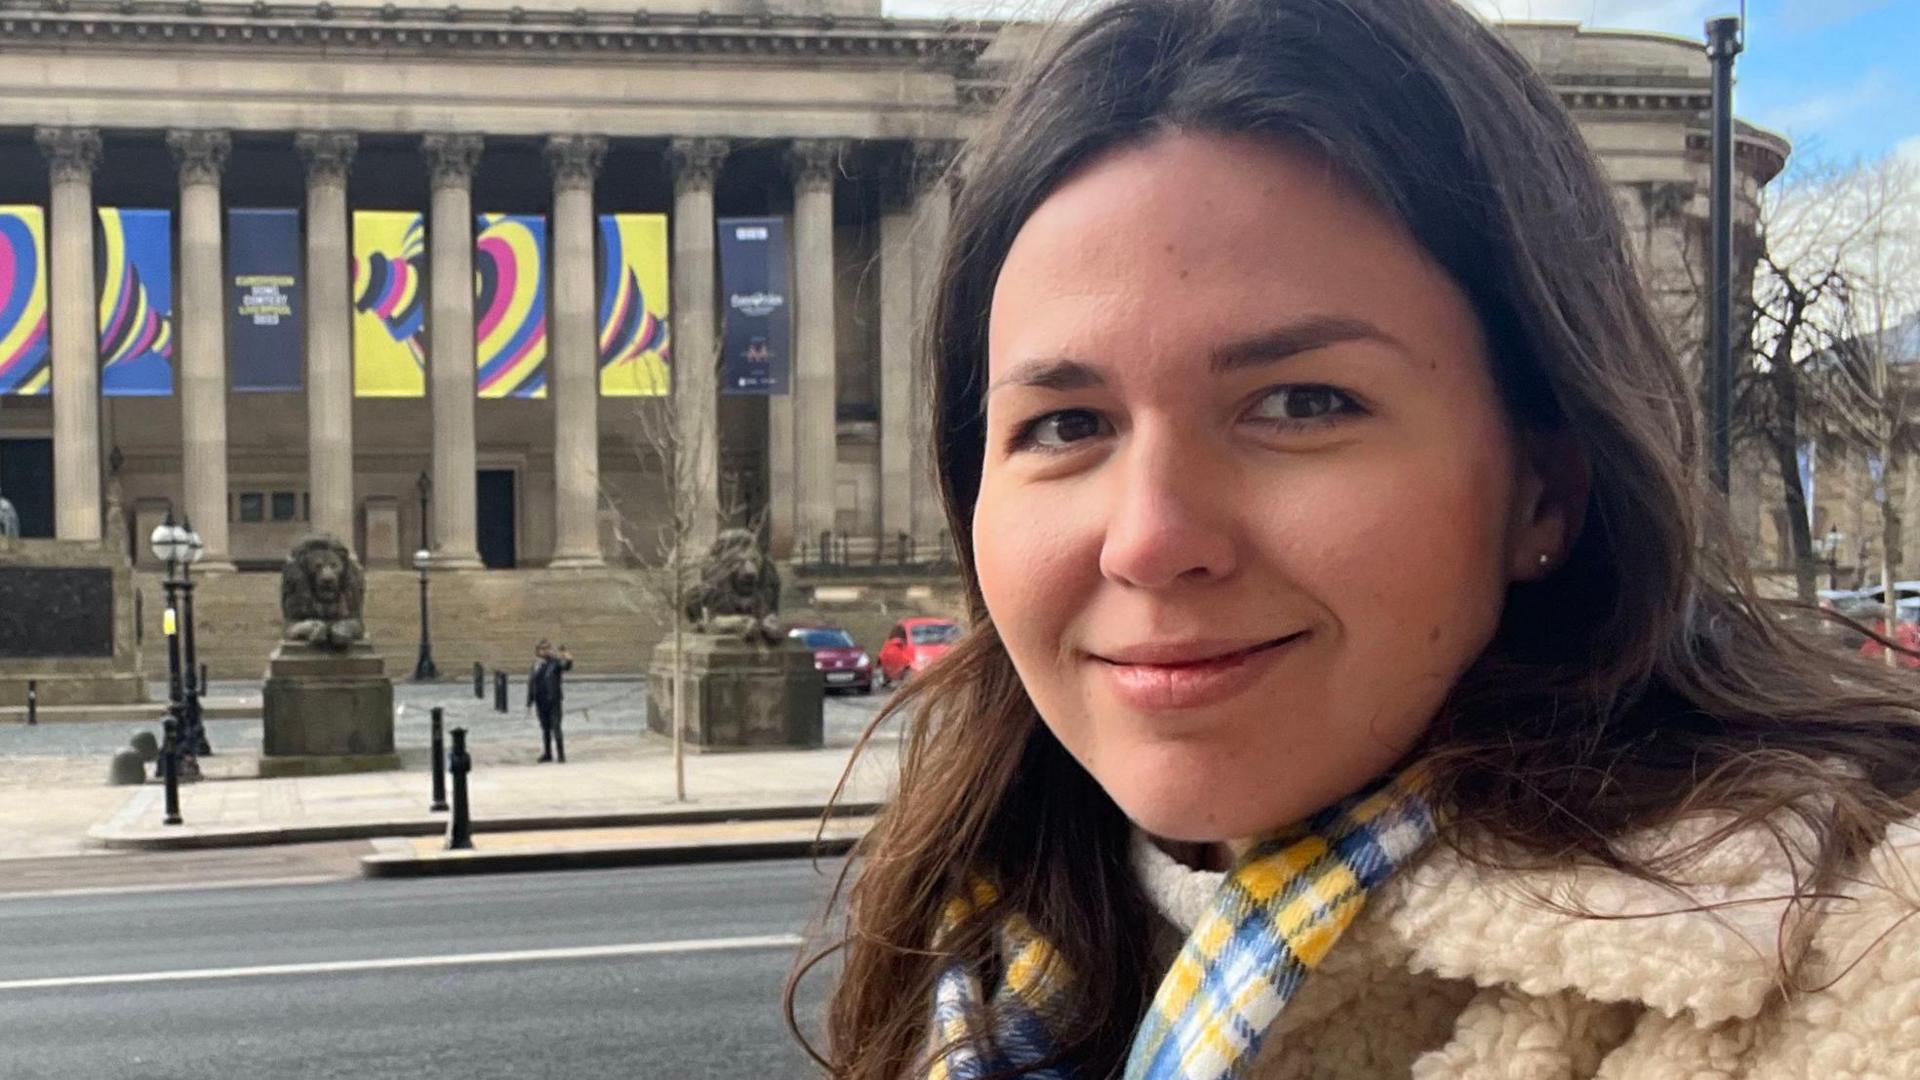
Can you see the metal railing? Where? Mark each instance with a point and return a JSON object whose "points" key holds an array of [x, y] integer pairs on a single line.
{"points": [[832, 552]]}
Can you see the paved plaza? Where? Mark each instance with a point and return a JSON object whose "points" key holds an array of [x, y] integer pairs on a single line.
{"points": [[53, 790]]}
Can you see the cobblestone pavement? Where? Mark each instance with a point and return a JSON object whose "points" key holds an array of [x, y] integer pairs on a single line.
{"points": [[606, 720]]}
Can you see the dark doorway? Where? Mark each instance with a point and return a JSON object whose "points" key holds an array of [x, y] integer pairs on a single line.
{"points": [[26, 479], [495, 506]]}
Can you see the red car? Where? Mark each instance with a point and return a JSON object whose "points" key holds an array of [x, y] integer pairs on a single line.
{"points": [[913, 644], [1905, 634], [840, 660]]}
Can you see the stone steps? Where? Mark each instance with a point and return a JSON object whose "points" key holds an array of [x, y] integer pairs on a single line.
{"points": [[608, 618], [493, 617]]}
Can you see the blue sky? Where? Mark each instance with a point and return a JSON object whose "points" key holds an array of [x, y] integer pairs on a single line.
{"points": [[1840, 77]]}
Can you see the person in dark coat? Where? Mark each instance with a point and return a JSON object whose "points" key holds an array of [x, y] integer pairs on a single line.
{"points": [[544, 695]]}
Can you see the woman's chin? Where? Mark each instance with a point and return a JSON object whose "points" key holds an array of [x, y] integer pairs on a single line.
{"points": [[1194, 813]]}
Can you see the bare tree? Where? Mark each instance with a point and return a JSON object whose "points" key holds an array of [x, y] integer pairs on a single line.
{"points": [[1817, 232], [673, 532], [1867, 378]]}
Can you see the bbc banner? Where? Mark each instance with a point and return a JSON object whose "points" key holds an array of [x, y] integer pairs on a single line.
{"points": [[264, 331], [757, 318]]}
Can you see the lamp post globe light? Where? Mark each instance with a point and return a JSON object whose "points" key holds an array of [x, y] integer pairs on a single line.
{"points": [[423, 667], [171, 545]]}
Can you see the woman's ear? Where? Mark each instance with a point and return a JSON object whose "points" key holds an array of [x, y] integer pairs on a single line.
{"points": [[1550, 506]]}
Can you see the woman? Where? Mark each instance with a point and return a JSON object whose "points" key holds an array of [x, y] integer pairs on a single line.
{"points": [[1360, 684]]}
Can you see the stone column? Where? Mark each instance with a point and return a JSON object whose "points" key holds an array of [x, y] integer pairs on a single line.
{"points": [[897, 362], [329, 157], [935, 179], [696, 346], [575, 161], [71, 155], [814, 163], [202, 157], [780, 476], [451, 160]]}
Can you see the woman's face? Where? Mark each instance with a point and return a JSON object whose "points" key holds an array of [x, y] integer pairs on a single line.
{"points": [[1250, 504]]}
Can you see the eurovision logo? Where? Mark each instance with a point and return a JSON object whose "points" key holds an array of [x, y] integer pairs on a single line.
{"points": [[758, 305]]}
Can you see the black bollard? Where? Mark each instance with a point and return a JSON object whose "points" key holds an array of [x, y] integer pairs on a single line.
{"points": [[203, 680], [460, 825], [499, 691], [170, 769], [439, 763], [33, 702], [479, 681]]}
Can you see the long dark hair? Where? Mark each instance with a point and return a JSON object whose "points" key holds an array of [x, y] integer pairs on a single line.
{"points": [[1642, 681]]}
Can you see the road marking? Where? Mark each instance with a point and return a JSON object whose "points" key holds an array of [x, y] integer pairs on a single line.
{"points": [[402, 963], [186, 886]]}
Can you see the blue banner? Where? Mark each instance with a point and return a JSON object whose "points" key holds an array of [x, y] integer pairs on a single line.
{"points": [[758, 326], [133, 277], [264, 335]]}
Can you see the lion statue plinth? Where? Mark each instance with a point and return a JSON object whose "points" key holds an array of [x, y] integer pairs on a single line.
{"points": [[322, 594], [738, 592]]}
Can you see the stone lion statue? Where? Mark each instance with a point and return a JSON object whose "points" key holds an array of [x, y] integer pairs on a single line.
{"points": [[738, 592], [322, 593]]}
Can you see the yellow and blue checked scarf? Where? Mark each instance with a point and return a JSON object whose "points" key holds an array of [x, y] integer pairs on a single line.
{"points": [[1277, 913]]}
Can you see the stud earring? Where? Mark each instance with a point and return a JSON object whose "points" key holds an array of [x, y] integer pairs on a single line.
{"points": [[1546, 560]]}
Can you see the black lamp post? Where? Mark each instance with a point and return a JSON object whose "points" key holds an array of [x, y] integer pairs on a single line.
{"points": [[196, 689], [1724, 43], [170, 544], [423, 667]]}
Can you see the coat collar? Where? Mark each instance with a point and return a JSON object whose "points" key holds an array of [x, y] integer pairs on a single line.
{"points": [[1714, 953]]}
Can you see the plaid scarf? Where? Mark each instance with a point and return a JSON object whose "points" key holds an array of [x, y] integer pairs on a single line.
{"points": [[1276, 915]]}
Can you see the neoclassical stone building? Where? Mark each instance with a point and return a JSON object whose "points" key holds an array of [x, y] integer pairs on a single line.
{"points": [[822, 112]]}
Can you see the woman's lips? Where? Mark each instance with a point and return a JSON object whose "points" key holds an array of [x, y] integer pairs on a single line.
{"points": [[1157, 678]]}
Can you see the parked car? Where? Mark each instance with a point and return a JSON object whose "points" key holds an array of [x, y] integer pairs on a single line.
{"points": [[1869, 603], [913, 644], [839, 659], [1905, 634]]}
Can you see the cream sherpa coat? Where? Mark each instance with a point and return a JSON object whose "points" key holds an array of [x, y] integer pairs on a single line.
{"points": [[1452, 972]]}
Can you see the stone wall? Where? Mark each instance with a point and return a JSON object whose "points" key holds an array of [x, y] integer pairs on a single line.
{"points": [[611, 619]]}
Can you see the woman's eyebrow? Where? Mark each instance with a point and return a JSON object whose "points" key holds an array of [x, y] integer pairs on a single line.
{"points": [[1298, 336], [1301, 335], [1052, 374]]}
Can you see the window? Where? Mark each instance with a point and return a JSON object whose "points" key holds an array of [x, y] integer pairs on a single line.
{"points": [[253, 507], [825, 639], [935, 634], [283, 506]]}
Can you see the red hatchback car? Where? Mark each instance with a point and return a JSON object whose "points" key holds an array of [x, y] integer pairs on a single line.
{"points": [[840, 660], [913, 644]]}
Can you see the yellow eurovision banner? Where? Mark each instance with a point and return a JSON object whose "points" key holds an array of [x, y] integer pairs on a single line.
{"points": [[389, 303], [634, 350]]}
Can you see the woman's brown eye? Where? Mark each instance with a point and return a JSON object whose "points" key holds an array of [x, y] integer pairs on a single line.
{"points": [[1061, 428], [1305, 403]]}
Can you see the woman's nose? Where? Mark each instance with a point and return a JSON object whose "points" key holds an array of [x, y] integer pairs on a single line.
{"points": [[1170, 515]]}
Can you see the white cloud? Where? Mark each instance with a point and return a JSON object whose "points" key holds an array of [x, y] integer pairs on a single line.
{"points": [[1908, 149], [1687, 17], [1809, 115], [1800, 16]]}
